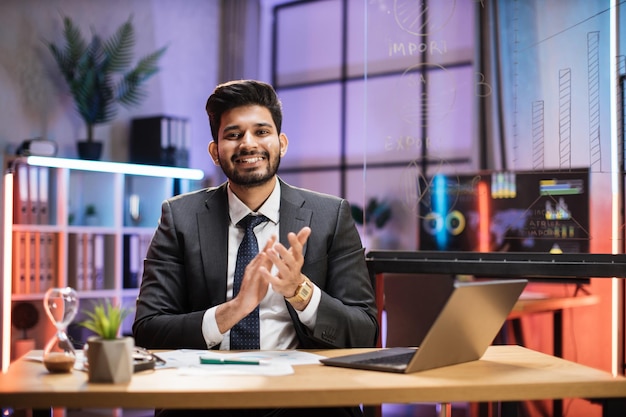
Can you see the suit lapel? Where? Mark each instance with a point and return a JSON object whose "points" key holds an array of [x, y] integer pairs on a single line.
{"points": [[293, 216], [213, 233]]}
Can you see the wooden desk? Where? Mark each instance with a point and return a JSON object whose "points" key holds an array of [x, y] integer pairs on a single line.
{"points": [[549, 304], [505, 373], [553, 305]]}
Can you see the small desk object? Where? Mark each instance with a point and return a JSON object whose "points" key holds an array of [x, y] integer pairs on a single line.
{"points": [[505, 373]]}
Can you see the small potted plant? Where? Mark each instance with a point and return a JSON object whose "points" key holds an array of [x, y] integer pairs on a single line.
{"points": [[91, 215], [99, 76], [377, 214], [109, 356]]}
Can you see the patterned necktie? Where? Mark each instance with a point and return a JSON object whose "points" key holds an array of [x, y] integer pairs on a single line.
{"points": [[245, 334]]}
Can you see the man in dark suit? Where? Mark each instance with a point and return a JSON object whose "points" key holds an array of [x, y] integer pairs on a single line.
{"points": [[308, 284]]}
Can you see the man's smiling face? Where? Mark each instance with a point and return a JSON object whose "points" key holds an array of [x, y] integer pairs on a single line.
{"points": [[249, 146]]}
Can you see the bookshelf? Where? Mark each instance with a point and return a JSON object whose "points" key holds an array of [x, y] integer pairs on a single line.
{"points": [[84, 224]]}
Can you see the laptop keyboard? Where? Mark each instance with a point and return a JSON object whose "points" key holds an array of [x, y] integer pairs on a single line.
{"points": [[399, 359]]}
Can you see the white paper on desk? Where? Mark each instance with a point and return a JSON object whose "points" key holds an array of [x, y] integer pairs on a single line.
{"points": [[290, 357], [265, 369], [273, 362]]}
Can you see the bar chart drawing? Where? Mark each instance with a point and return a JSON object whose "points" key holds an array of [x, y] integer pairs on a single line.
{"points": [[541, 145], [538, 134], [593, 81], [565, 118], [514, 87]]}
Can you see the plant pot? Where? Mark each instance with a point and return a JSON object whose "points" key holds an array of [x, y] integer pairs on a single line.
{"points": [[110, 361], [89, 150]]}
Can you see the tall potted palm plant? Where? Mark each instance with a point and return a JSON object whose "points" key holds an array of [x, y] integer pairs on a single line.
{"points": [[100, 75]]}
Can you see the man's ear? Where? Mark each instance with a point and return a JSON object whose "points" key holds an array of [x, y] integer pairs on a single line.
{"points": [[213, 152], [284, 143]]}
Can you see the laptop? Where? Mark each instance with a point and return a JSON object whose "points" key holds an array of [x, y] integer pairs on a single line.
{"points": [[466, 326]]}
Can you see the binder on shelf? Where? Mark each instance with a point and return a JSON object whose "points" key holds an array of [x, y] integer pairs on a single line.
{"points": [[131, 261], [51, 258], [76, 276], [43, 209], [32, 258], [19, 262], [35, 263], [98, 262], [88, 261], [164, 132], [42, 251], [78, 261], [24, 262], [48, 258], [20, 198], [144, 243], [160, 140], [15, 259], [33, 194]]}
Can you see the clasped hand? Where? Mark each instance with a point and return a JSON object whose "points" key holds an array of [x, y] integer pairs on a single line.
{"points": [[288, 263]]}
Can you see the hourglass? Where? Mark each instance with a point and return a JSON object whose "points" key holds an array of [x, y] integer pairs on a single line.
{"points": [[61, 305]]}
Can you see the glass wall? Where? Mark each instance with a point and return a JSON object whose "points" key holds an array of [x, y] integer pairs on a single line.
{"points": [[370, 101], [383, 97], [484, 125]]}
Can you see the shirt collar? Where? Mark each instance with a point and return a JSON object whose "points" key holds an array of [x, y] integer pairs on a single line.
{"points": [[237, 210]]}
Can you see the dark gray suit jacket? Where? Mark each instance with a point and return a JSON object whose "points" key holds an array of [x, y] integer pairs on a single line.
{"points": [[185, 270]]}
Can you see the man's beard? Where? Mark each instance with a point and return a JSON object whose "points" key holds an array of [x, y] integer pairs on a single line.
{"points": [[252, 179]]}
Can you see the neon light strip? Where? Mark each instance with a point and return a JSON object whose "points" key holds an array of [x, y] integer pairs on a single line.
{"points": [[6, 273], [116, 167], [440, 207], [483, 217], [616, 230]]}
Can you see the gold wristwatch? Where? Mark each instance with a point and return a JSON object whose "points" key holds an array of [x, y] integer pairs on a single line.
{"points": [[303, 292]]}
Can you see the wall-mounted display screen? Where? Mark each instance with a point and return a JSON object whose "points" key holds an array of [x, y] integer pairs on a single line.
{"points": [[539, 211]]}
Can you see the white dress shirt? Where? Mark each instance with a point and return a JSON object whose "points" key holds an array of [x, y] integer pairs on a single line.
{"points": [[276, 327]]}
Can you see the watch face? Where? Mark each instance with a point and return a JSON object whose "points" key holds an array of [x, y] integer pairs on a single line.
{"points": [[305, 289], [302, 292]]}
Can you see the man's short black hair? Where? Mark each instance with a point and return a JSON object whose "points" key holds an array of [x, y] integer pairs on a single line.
{"points": [[239, 93]]}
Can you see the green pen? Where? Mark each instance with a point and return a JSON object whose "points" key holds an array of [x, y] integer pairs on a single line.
{"points": [[222, 361]]}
